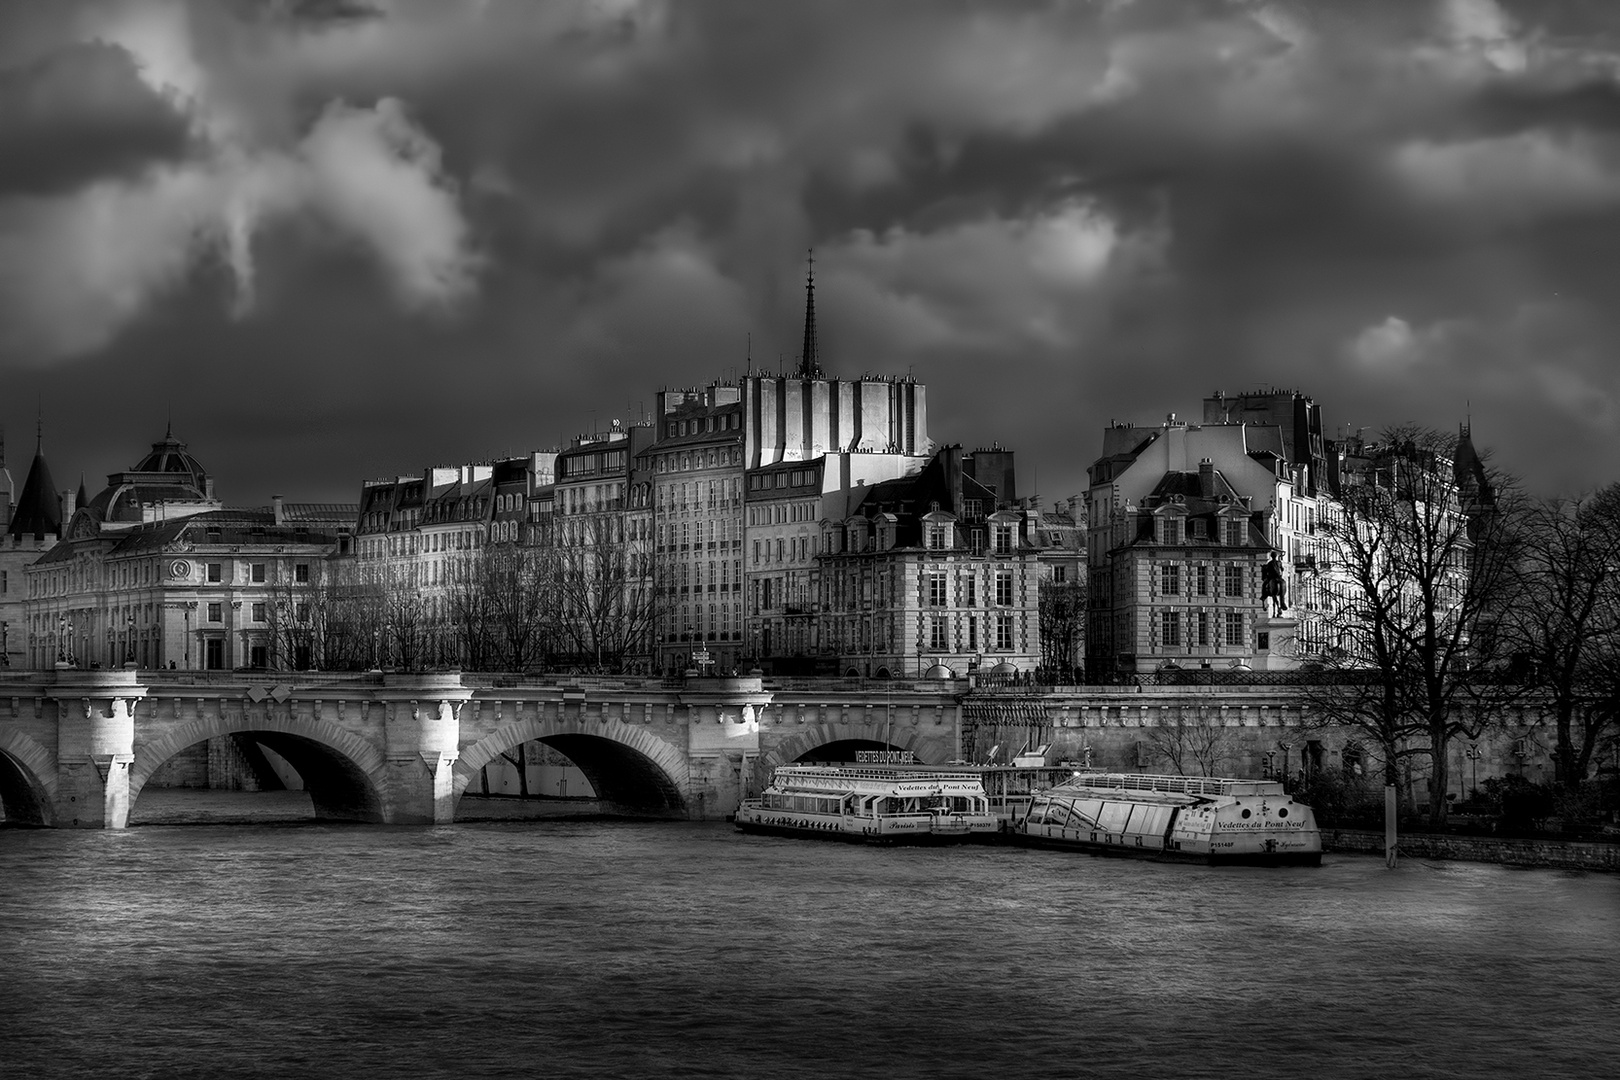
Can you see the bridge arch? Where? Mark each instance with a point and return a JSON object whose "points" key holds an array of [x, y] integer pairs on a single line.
{"points": [[626, 765], [346, 776], [27, 779], [817, 736]]}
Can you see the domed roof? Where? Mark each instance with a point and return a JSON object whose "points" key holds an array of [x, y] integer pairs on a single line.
{"points": [[939, 671], [1002, 668], [166, 475], [169, 456]]}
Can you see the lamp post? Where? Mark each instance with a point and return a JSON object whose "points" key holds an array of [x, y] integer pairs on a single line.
{"points": [[1472, 753], [129, 642]]}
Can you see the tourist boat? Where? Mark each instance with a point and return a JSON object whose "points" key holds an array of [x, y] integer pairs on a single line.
{"points": [[872, 803], [1204, 819]]}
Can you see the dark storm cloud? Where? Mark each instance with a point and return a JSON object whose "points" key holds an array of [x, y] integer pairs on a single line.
{"points": [[79, 115], [449, 230]]}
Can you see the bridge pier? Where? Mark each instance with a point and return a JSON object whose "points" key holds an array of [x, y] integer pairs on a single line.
{"points": [[96, 746], [422, 729]]}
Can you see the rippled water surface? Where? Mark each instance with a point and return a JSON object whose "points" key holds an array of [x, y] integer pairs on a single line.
{"points": [[610, 949]]}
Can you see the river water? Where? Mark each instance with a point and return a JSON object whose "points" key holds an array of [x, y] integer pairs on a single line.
{"points": [[608, 949]]}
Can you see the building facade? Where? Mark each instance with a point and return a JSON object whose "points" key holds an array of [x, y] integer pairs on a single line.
{"points": [[1252, 463], [931, 573], [154, 572]]}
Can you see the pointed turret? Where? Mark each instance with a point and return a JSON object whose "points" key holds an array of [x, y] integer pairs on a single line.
{"points": [[38, 512], [809, 358]]}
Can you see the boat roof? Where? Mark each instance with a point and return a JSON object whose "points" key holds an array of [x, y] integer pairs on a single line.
{"points": [[889, 779], [1170, 785]]}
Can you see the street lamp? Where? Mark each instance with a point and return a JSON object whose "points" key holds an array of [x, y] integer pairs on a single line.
{"points": [[1472, 753], [129, 641]]}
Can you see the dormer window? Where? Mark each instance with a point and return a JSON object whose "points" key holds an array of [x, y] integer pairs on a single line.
{"points": [[1170, 530], [1200, 529], [936, 533], [1001, 539]]}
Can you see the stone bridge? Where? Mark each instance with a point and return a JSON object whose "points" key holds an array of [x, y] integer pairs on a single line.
{"points": [[77, 747]]}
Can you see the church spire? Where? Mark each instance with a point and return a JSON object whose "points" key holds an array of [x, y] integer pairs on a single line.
{"points": [[809, 358]]}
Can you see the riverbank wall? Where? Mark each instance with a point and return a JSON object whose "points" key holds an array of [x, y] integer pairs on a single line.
{"points": [[1504, 851]]}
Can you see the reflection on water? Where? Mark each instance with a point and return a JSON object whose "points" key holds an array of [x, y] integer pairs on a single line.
{"points": [[601, 949]]}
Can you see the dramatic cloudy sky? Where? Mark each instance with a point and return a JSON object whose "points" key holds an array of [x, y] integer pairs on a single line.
{"points": [[343, 239]]}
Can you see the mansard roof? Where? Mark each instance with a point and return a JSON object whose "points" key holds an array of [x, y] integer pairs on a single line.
{"points": [[38, 512]]}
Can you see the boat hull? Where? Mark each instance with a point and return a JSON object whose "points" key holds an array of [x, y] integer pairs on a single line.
{"points": [[864, 831], [1205, 858]]}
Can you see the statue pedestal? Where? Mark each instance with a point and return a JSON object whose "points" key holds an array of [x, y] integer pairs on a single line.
{"points": [[1274, 646]]}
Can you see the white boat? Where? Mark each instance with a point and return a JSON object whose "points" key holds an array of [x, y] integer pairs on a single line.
{"points": [[1205, 819], [879, 804]]}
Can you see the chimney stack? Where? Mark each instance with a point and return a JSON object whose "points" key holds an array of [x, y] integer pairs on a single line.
{"points": [[70, 503], [1206, 478], [276, 509]]}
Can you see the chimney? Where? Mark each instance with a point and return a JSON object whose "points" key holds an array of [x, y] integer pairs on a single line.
{"points": [[70, 503], [1206, 478], [276, 510], [208, 488]]}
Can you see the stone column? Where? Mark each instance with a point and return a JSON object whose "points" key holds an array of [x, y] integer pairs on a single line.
{"points": [[95, 746]]}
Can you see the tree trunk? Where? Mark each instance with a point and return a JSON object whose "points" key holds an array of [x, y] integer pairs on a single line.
{"points": [[1391, 776]]}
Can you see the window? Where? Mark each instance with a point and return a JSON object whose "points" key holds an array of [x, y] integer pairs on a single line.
{"points": [[936, 588], [214, 571], [1203, 628], [1004, 637], [258, 656], [214, 653], [301, 573], [936, 537], [1170, 629], [973, 634], [258, 573], [1234, 628], [1201, 580], [301, 612], [1170, 579], [1060, 574], [214, 611], [1001, 538], [258, 612], [1232, 581], [1004, 588], [1232, 532], [972, 598], [1172, 531], [937, 637]]}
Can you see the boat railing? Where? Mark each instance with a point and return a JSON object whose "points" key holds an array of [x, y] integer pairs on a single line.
{"points": [[1182, 785]]}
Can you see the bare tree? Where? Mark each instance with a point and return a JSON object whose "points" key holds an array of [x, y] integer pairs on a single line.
{"points": [[1193, 747], [501, 601], [1564, 627], [1425, 546], [1062, 615], [606, 604], [346, 615]]}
